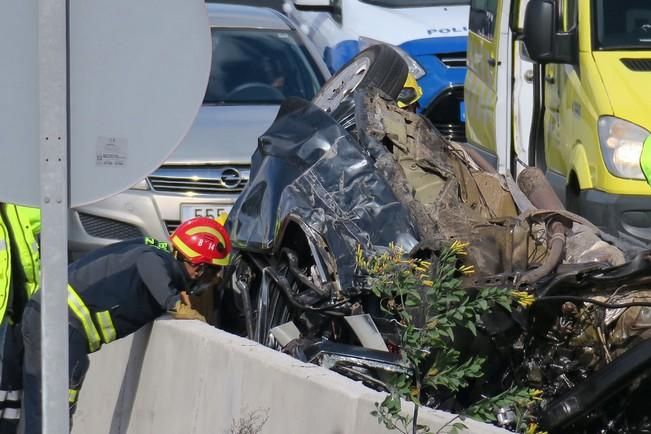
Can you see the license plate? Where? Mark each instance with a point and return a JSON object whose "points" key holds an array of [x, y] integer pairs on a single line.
{"points": [[189, 211]]}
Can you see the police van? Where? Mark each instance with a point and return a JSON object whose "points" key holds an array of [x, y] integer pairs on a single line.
{"points": [[565, 85], [430, 34]]}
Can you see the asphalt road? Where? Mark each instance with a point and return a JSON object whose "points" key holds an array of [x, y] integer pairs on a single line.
{"points": [[276, 4]]}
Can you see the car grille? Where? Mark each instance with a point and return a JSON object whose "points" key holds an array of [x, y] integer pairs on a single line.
{"points": [[101, 227], [637, 64], [172, 225], [445, 113], [200, 179], [453, 60]]}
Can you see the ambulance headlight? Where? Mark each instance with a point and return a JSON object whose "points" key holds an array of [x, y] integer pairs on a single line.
{"points": [[621, 145], [414, 67]]}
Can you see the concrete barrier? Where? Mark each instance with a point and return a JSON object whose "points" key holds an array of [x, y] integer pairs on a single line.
{"points": [[180, 377]]}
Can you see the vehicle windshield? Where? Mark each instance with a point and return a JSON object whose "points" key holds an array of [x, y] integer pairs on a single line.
{"points": [[622, 24], [259, 67], [414, 3]]}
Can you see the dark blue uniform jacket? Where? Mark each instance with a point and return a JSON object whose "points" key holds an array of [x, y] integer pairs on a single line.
{"points": [[136, 282]]}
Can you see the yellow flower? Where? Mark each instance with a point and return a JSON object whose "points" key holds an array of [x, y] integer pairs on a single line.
{"points": [[533, 429], [523, 298], [377, 268], [459, 248], [359, 258], [428, 283], [467, 269], [536, 394]]}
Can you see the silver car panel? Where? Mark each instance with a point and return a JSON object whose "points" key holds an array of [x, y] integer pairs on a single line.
{"points": [[209, 168], [249, 17], [224, 135]]}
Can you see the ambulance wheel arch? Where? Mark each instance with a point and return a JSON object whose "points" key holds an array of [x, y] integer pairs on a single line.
{"points": [[578, 177]]}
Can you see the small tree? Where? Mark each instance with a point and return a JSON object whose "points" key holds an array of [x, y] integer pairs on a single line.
{"points": [[429, 302]]}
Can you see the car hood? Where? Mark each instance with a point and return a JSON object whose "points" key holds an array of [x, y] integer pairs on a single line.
{"points": [[224, 134], [625, 86], [397, 26]]}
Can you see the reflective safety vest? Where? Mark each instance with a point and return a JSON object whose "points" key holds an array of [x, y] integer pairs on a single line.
{"points": [[24, 225], [98, 326]]}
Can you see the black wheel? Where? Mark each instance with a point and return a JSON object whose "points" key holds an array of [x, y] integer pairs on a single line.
{"points": [[378, 66], [279, 310]]}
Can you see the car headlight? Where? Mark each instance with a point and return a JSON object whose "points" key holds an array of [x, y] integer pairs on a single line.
{"points": [[414, 67], [621, 144], [142, 185]]}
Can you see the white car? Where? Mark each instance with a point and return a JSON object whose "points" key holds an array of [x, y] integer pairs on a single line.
{"points": [[259, 59]]}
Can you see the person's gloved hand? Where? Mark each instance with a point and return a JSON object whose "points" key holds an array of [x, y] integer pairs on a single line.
{"points": [[183, 311]]}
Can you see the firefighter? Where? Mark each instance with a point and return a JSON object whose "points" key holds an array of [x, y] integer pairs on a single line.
{"points": [[19, 280], [116, 290]]}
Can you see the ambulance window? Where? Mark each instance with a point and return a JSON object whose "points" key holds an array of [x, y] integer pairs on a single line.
{"points": [[622, 24], [482, 17]]}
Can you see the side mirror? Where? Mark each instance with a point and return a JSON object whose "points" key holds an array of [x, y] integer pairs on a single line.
{"points": [[541, 37], [313, 5]]}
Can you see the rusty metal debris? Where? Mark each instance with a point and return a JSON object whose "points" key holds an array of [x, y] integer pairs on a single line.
{"points": [[372, 174]]}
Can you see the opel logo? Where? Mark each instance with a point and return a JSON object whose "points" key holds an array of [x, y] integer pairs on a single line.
{"points": [[231, 178]]}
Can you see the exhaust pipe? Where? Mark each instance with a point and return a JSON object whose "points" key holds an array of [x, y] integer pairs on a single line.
{"points": [[534, 184]]}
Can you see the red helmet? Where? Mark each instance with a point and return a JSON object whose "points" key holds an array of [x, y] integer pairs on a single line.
{"points": [[202, 240]]}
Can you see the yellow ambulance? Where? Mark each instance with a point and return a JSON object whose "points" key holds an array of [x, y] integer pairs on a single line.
{"points": [[565, 85]]}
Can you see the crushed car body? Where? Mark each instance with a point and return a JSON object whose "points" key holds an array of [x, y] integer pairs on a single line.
{"points": [[364, 174]]}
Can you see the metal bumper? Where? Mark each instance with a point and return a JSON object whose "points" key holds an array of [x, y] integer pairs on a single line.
{"points": [[628, 216]]}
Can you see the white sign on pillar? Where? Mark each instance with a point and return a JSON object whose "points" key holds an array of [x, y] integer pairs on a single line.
{"points": [[93, 98], [138, 74]]}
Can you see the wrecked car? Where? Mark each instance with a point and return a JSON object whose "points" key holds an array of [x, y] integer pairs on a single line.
{"points": [[351, 170]]}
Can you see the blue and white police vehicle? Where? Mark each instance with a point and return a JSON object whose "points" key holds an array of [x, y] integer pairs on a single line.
{"points": [[431, 35]]}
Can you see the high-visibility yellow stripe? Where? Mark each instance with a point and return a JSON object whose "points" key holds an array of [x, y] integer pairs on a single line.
{"points": [[183, 248], [80, 310], [106, 327], [72, 395], [222, 261], [208, 229]]}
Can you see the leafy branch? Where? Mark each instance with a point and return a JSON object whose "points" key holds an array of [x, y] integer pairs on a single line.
{"points": [[429, 302]]}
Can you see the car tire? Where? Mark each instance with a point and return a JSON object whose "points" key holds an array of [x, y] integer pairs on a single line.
{"points": [[379, 66]]}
